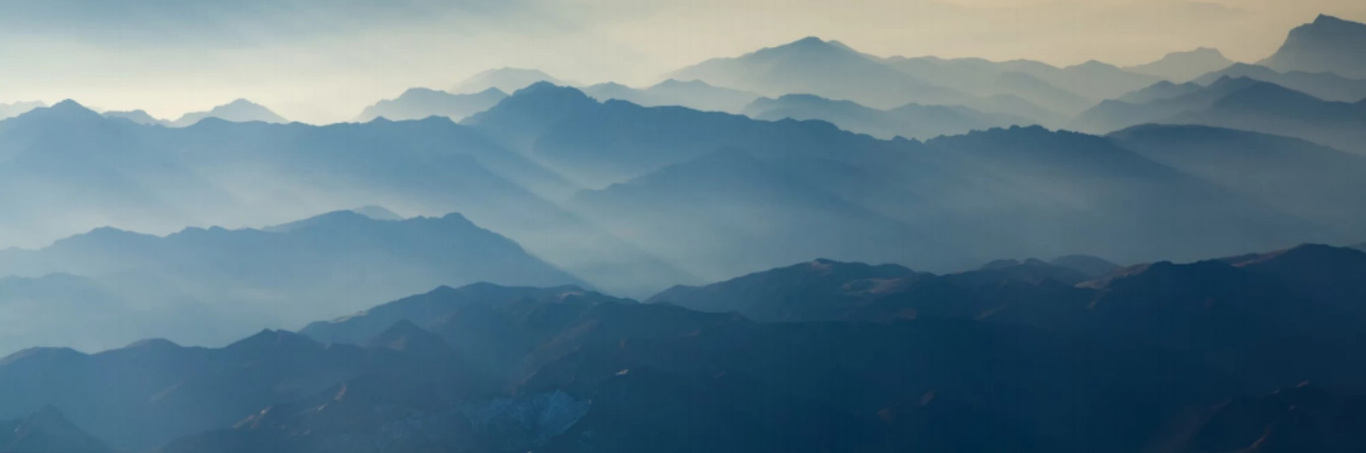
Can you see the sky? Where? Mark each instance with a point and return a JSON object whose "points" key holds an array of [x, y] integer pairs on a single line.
{"points": [[324, 60]]}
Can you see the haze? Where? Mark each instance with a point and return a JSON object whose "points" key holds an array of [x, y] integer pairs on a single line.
{"points": [[321, 62]]}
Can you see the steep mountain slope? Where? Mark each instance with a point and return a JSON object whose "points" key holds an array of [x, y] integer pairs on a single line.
{"points": [[910, 121], [419, 103], [1183, 66], [1328, 44], [693, 94], [238, 111]]}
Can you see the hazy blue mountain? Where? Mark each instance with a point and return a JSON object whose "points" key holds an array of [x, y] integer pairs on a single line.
{"points": [[979, 196], [1323, 85], [47, 431], [1160, 91], [238, 111], [1309, 181], [967, 361], [137, 116], [66, 170], [910, 121], [141, 396], [1274, 109], [1094, 80], [1328, 44], [729, 201], [67, 311], [990, 79], [281, 277], [692, 94], [1112, 115], [507, 80], [824, 68], [419, 103], [14, 109], [1184, 66]]}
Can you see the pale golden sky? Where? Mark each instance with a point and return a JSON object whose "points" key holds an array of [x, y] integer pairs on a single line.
{"points": [[323, 60]]}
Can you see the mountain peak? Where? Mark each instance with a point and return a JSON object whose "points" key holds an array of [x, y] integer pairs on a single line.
{"points": [[1329, 44]]}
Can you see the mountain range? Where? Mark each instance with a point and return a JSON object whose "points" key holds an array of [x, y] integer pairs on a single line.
{"points": [[1176, 358], [693, 94], [1184, 66], [136, 286], [419, 103], [909, 121], [507, 80]]}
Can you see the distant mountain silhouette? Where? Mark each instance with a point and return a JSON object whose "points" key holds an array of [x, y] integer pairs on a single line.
{"points": [[910, 121], [12, 110], [507, 80], [238, 111], [1328, 44], [1112, 115], [824, 68], [1278, 110], [1184, 66], [1160, 91], [419, 103], [1309, 181], [47, 431], [337, 261], [692, 94], [1323, 85], [137, 116], [995, 83]]}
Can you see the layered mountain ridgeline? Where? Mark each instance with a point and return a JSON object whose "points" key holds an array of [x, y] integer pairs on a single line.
{"points": [[13, 109], [693, 94], [829, 69], [65, 170], [1183, 66], [1323, 85], [909, 121], [1016, 356], [238, 111], [209, 286], [788, 190], [1241, 103], [507, 80], [419, 103]]}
